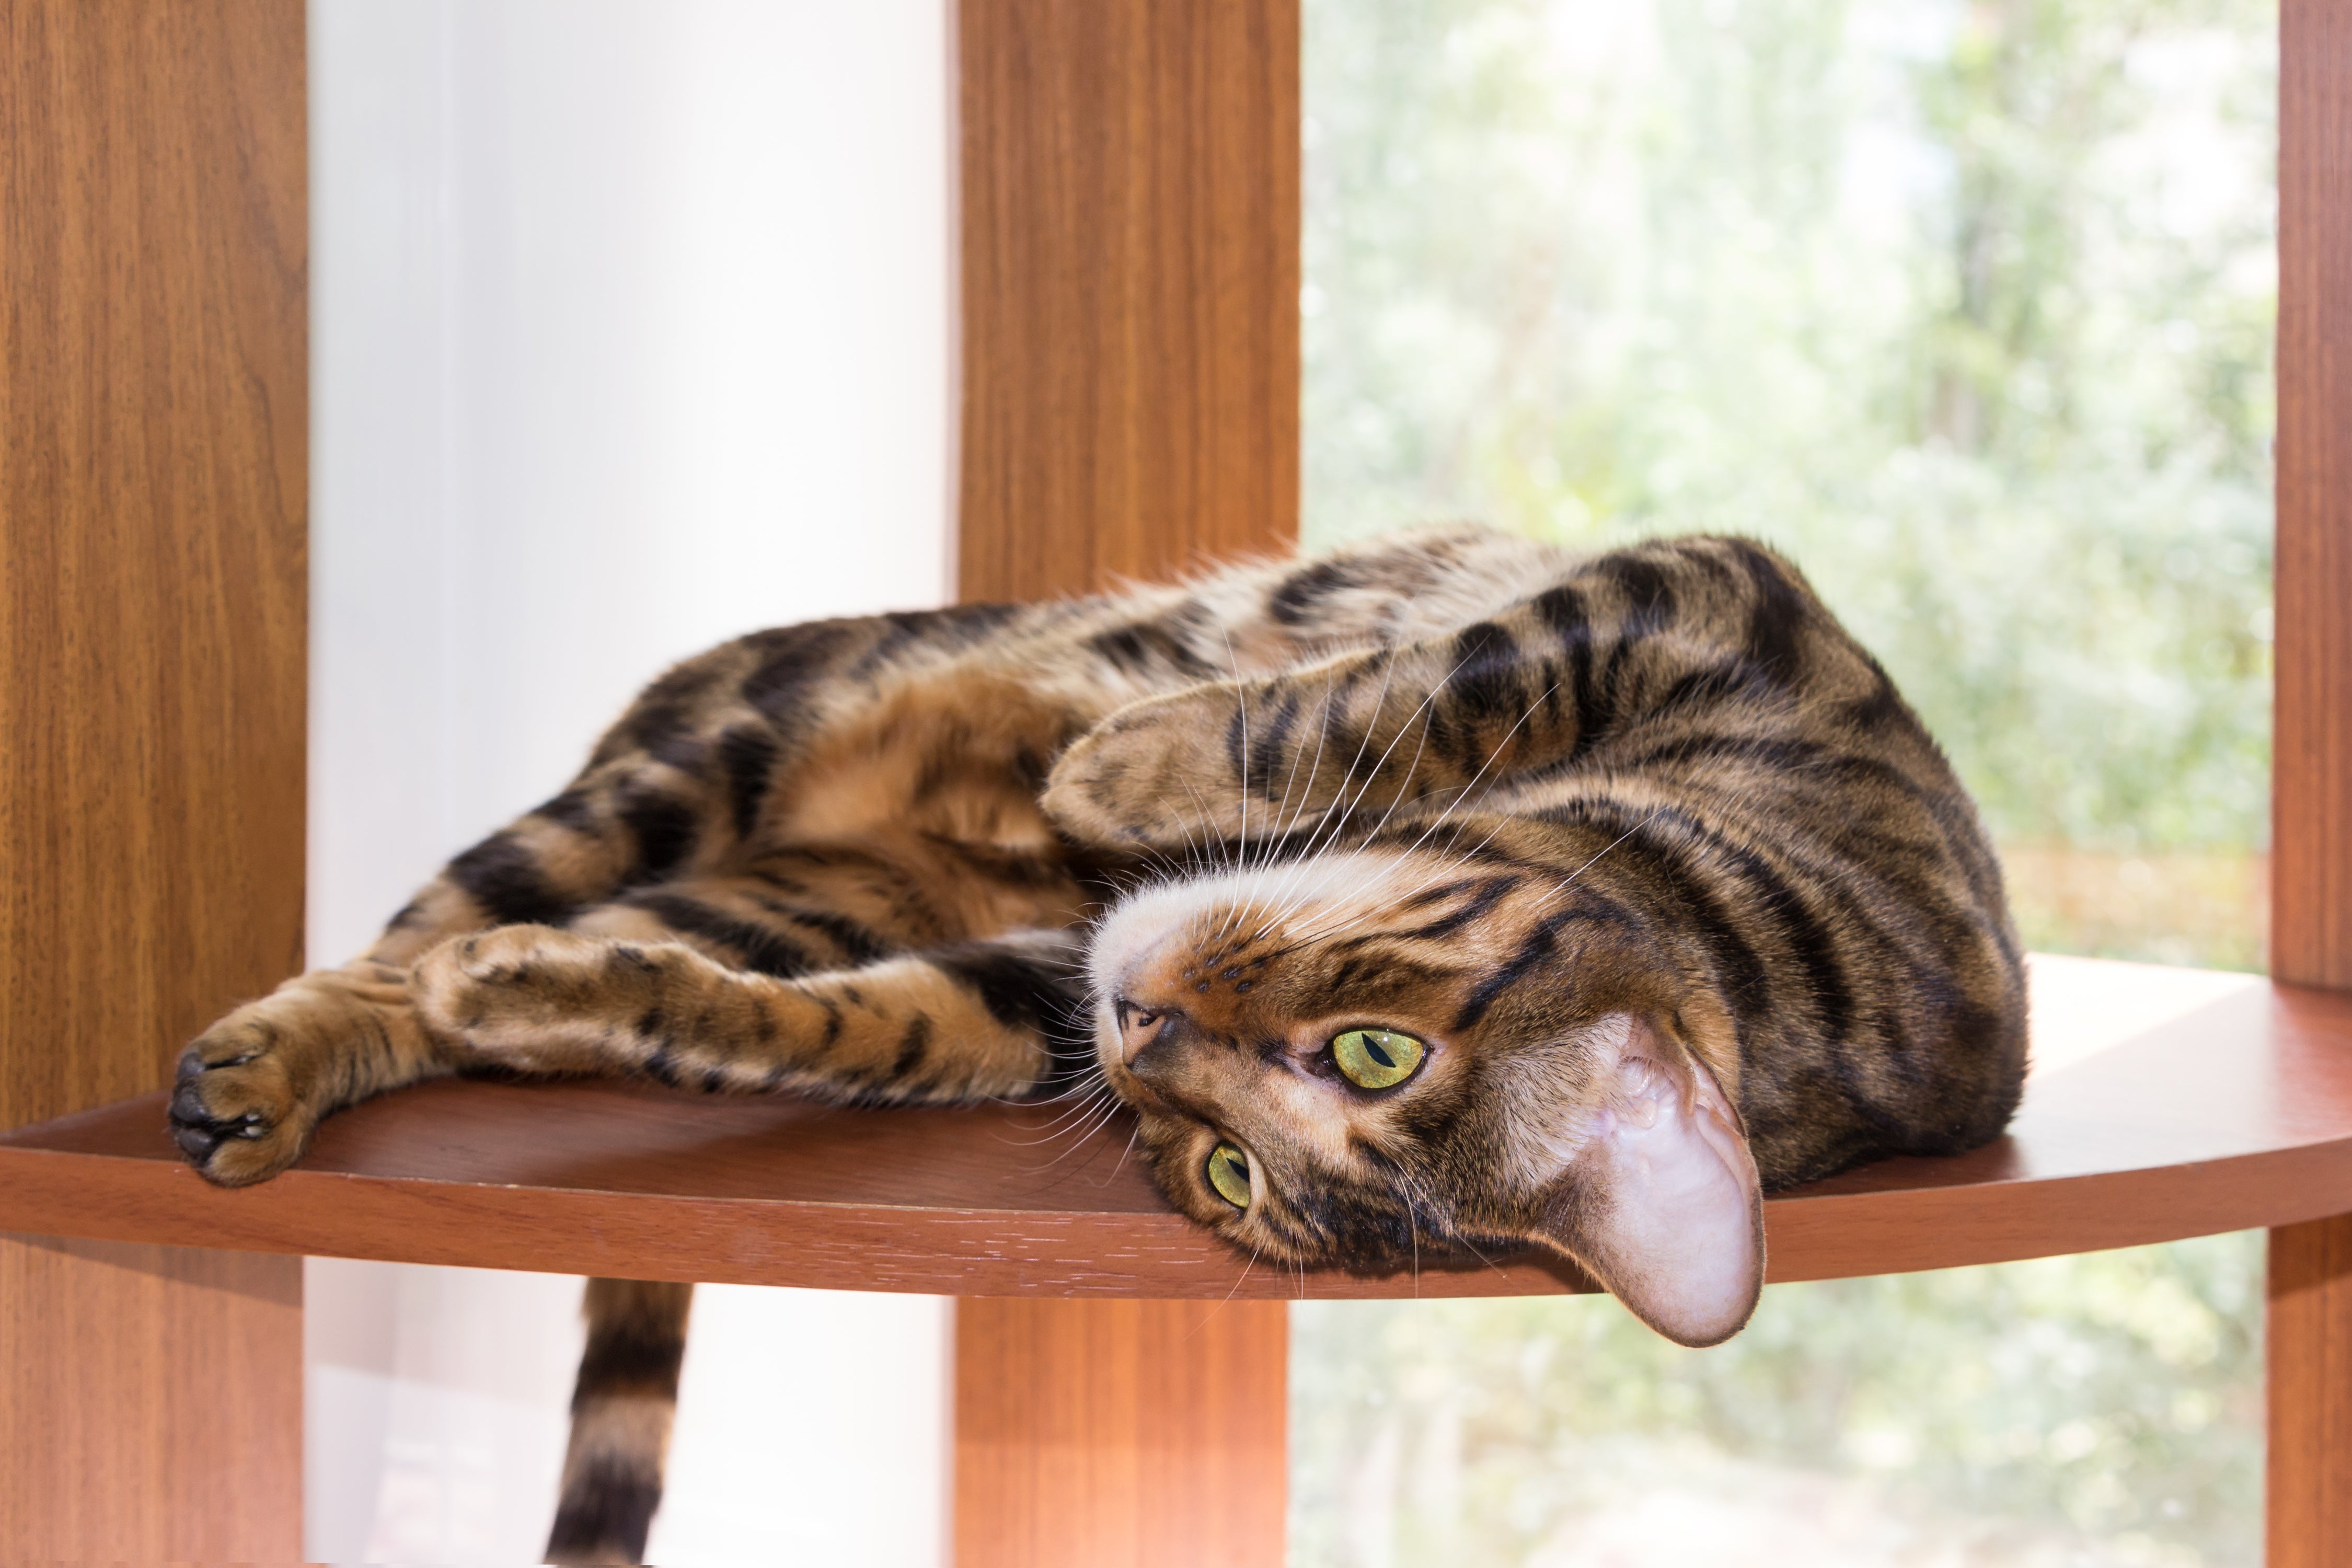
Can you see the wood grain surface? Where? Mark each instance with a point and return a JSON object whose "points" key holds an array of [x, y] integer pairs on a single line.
{"points": [[168, 1383], [2310, 1343], [1149, 1434], [1131, 221], [152, 588], [1128, 192], [152, 576], [2233, 1112], [2309, 1340], [2311, 859]]}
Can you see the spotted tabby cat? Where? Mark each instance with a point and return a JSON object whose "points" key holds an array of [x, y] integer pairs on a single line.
{"points": [[1451, 889]]}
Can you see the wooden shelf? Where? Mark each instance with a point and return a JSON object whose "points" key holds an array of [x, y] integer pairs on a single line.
{"points": [[2165, 1103]]}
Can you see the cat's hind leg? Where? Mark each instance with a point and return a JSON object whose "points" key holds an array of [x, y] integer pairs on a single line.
{"points": [[253, 1086]]}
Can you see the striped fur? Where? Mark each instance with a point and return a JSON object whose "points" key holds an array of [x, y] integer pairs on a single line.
{"points": [[622, 1406], [1635, 835]]}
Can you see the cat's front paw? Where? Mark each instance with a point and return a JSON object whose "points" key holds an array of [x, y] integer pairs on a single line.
{"points": [[1161, 773], [1221, 763], [236, 1112], [252, 1088]]}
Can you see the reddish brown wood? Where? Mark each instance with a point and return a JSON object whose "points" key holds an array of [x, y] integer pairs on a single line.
{"points": [[2311, 880], [1144, 1433], [1130, 219], [2310, 1329], [153, 581], [1130, 222], [2237, 1113], [168, 1384], [153, 430]]}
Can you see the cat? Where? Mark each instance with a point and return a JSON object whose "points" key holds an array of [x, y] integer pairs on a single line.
{"points": [[1450, 889]]}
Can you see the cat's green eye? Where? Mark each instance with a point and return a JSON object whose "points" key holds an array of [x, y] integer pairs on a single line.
{"points": [[1229, 1173], [1377, 1058]]}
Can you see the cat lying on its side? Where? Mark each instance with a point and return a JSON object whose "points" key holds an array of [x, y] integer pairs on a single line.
{"points": [[1451, 888]]}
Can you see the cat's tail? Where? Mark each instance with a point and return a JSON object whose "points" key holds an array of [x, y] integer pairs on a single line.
{"points": [[622, 1407]]}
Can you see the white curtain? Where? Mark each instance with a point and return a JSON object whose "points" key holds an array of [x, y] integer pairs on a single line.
{"points": [[630, 330]]}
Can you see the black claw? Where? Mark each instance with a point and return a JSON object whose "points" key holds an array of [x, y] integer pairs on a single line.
{"points": [[198, 1137], [187, 1105], [198, 1132]]}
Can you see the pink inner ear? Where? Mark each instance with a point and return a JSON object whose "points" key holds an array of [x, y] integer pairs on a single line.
{"points": [[1663, 1206]]}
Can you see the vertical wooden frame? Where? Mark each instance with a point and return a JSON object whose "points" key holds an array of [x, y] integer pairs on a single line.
{"points": [[2311, 882], [1148, 1434], [2310, 1349], [153, 427], [1130, 191], [2310, 1326], [153, 480], [1129, 206], [150, 1404]]}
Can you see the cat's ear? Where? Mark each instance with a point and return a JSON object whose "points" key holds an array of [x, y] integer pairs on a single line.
{"points": [[1661, 1204]]}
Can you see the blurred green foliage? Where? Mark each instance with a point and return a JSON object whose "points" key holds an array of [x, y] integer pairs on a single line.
{"points": [[2096, 1410], [1968, 307]]}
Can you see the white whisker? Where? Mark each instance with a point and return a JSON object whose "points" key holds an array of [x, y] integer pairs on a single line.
{"points": [[1241, 700], [1085, 1136], [1340, 816], [1431, 880], [1491, 756], [1580, 871], [1123, 1154]]}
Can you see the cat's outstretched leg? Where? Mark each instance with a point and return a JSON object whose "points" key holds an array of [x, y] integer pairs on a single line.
{"points": [[1541, 684], [679, 779], [252, 1088], [829, 732], [997, 1016]]}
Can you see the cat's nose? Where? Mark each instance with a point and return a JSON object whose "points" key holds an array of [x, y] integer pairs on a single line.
{"points": [[1137, 1028]]}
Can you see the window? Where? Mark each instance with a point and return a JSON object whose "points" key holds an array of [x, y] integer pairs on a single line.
{"points": [[1969, 307]]}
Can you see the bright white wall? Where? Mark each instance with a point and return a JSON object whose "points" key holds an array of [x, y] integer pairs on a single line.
{"points": [[630, 332]]}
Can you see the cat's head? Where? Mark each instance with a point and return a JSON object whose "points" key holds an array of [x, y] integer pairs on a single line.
{"points": [[1365, 1055]]}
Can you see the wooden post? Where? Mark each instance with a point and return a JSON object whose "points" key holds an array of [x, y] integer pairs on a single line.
{"points": [[2310, 1327], [151, 1403], [152, 480], [1129, 209], [1144, 1433]]}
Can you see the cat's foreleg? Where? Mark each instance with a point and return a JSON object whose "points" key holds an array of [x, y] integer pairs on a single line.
{"points": [[1623, 639], [251, 1088], [1354, 737], [997, 1017]]}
